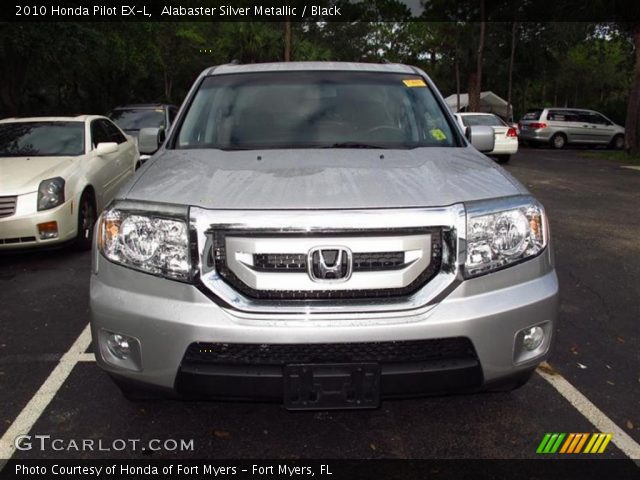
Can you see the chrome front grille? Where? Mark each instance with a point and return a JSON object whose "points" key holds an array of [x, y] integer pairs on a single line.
{"points": [[271, 266], [7, 206], [362, 262], [263, 264]]}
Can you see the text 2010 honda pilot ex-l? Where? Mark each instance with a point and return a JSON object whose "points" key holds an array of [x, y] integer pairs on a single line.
{"points": [[324, 235]]}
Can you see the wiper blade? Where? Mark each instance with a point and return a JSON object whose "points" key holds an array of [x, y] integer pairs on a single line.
{"points": [[354, 145]]}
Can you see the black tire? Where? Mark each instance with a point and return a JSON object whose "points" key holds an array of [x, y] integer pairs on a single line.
{"points": [[503, 158], [617, 143], [138, 164], [558, 141], [86, 221]]}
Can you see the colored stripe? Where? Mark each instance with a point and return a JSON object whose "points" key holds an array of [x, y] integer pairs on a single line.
{"points": [[543, 443], [607, 439], [567, 443], [594, 437], [595, 447], [558, 442], [550, 443], [582, 441], [574, 443]]}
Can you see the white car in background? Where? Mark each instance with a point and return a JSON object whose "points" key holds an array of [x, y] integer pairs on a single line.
{"points": [[56, 174], [506, 136]]}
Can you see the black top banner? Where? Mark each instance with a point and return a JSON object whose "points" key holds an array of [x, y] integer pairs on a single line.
{"points": [[621, 11]]}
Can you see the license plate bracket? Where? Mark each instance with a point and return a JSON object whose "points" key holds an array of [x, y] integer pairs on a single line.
{"points": [[331, 386]]}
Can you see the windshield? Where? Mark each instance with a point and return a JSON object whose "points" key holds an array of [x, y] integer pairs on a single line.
{"points": [[137, 118], [489, 120], [315, 110], [30, 139]]}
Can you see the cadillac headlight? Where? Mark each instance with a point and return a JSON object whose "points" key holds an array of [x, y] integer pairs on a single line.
{"points": [[50, 193], [496, 239], [145, 242]]}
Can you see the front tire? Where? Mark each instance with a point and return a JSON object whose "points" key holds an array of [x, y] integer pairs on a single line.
{"points": [[503, 158], [86, 221], [559, 141], [617, 143]]}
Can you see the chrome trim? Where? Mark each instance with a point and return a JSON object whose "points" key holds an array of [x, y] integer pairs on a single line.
{"points": [[240, 251], [452, 218]]}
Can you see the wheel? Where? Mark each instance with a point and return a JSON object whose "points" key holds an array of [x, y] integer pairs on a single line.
{"points": [[617, 143], [558, 141], [138, 165], [503, 158], [86, 221]]}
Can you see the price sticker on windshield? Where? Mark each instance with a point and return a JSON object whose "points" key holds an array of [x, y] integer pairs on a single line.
{"points": [[414, 82]]}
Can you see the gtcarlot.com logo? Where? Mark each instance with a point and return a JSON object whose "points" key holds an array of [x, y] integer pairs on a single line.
{"points": [[572, 443], [46, 442]]}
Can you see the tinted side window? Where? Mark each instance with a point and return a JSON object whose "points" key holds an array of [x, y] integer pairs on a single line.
{"points": [[598, 119], [557, 116], [532, 115], [112, 131], [98, 133]]}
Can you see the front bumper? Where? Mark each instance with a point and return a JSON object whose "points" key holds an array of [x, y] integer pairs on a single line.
{"points": [[21, 229], [166, 317]]}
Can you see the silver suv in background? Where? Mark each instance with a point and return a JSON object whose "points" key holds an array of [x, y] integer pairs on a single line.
{"points": [[321, 234], [558, 127]]}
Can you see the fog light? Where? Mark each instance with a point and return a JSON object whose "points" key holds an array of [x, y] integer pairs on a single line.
{"points": [[532, 338], [48, 230], [119, 345]]}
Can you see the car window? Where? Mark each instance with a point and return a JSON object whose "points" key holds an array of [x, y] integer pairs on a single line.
{"points": [[314, 110], [489, 120], [113, 133], [98, 133], [597, 119], [532, 115], [21, 139], [137, 118], [558, 116]]}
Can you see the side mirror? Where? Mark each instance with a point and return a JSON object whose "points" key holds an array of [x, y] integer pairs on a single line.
{"points": [[481, 137], [149, 139], [106, 148]]}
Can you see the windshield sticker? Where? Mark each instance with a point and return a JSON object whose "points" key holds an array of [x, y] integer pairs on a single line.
{"points": [[414, 82], [438, 134]]}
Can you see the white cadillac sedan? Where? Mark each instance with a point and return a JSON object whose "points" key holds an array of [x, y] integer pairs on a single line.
{"points": [[505, 136], [56, 174]]}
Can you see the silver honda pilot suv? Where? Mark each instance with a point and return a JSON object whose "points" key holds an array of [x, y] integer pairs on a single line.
{"points": [[323, 235]]}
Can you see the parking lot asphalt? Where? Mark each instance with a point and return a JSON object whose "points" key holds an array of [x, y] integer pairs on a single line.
{"points": [[593, 207]]}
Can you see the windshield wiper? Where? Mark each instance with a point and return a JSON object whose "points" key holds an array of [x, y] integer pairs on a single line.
{"points": [[354, 145]]}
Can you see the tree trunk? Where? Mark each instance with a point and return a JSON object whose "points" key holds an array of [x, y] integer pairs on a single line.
{"points": [[511, 60], [632, 126], [287, 41], [475, 79]]}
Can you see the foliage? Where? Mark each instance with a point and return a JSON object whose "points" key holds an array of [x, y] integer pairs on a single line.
{"points": [[82, 67]]}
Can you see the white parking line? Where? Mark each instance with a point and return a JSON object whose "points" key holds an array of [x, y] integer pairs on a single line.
{"points": [[592, 413], [39, 402]]}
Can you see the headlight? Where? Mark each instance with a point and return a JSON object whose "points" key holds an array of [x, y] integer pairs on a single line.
{"points": [[145, 242], [50, 193], [496, 239]]}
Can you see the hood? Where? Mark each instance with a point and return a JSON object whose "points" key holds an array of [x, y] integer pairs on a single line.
{"points": [[19, 175], [321, 178]]}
